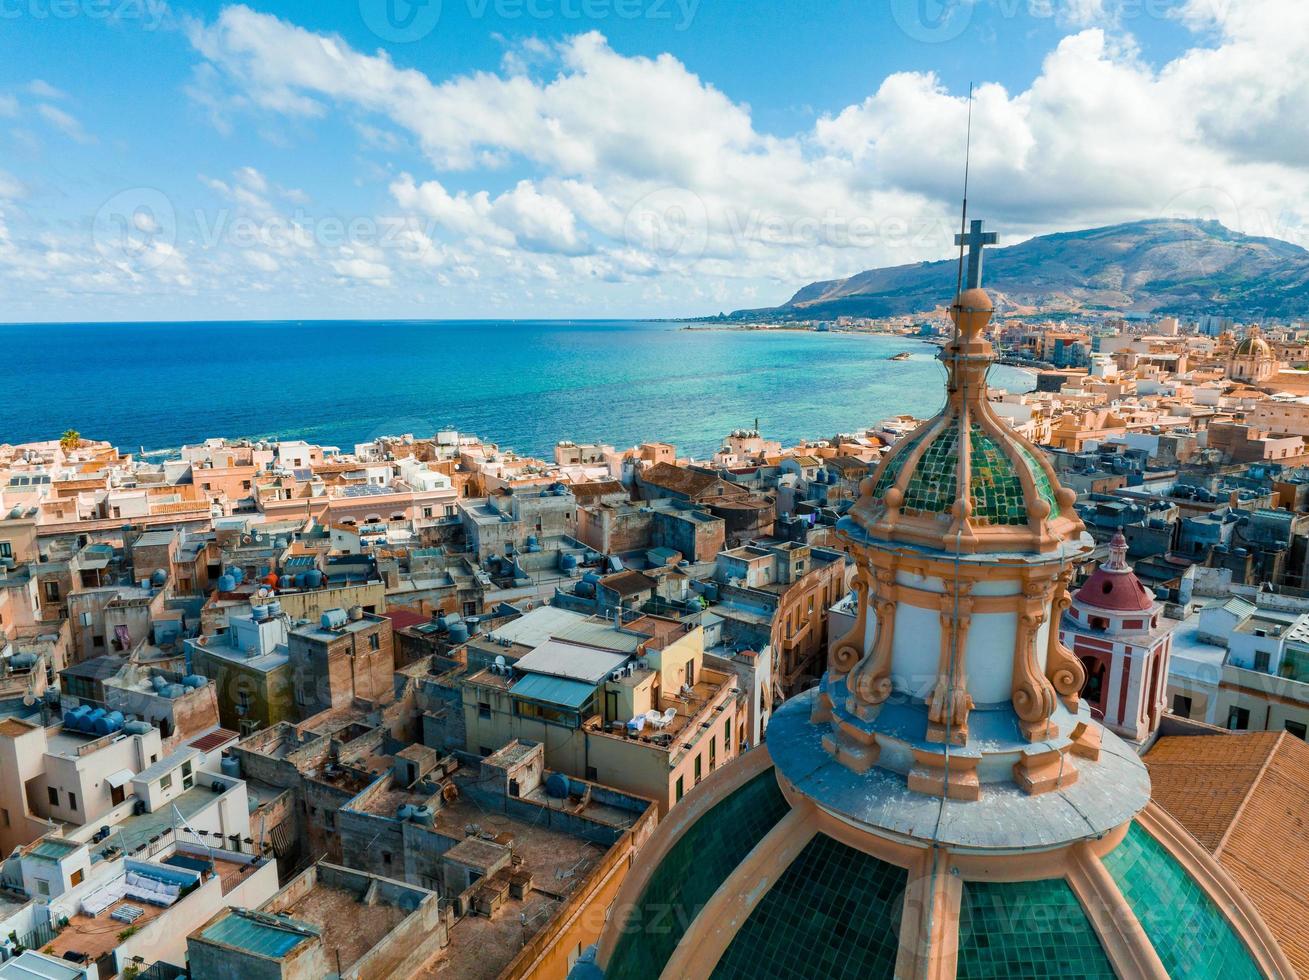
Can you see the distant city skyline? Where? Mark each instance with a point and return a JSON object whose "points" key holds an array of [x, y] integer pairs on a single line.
{"points": [[565, 158]]}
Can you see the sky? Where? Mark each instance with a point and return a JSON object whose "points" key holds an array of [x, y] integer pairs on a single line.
{"points": [[288, 159]]}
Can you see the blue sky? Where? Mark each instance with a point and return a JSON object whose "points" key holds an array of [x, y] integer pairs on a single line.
{"points": [[604, 157]]}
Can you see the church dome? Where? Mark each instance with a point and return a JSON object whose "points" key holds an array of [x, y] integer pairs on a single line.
{"points": [[756, 877], [1253, 345], [943, 802], [964, 480], [1114, 586]]}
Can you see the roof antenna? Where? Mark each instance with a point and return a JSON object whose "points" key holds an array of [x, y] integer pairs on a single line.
{"points": [[963, 217]]}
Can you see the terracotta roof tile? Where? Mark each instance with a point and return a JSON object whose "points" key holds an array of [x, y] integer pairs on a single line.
{"points": [[1246, 798]]}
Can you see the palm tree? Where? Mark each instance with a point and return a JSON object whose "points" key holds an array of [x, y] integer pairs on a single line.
{"points": [[71, 439]]}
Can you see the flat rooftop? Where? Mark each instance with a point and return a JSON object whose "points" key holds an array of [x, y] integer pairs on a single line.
{"points": [[480, 948], [349, 929]]}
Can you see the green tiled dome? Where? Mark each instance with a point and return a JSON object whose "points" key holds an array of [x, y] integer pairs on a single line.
{"points": [[691, 872], [995, 487], [1186, 928], [833, 913]]}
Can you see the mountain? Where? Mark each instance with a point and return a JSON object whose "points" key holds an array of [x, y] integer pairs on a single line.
{"points": [[1156, 266]]}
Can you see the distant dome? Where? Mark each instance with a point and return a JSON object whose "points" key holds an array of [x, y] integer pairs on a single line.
{"points": [[1114, 586], [1253, 345]]}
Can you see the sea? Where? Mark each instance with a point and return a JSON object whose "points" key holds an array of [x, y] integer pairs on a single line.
{"points": [[524, 384]]}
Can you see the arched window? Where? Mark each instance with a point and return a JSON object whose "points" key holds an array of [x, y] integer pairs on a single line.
{"points": [[1093, 688]]}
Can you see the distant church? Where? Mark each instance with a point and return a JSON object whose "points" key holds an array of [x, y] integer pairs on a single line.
{"points": [[1252, 361]]}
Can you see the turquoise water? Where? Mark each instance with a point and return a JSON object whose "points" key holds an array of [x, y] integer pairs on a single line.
{"points": [[524, 384]]}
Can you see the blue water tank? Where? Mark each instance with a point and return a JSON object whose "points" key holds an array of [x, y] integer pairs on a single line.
{"points": [[138, 727], [458, 633], [75, 719], [568, 563], [159, 577], [195, 681], [231, 766], [173, 691], [405, 811], [274, 608], [585, 589], [285, 582], [333, 619], [591, 577], [21, 661], [226, 583], [236, 573], [313, 579], [264, 570], [159, 682], [421, 814], [556, 785], [299, 580]]}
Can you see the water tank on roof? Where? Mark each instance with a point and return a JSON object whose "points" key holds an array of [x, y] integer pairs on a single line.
{"points": [[313, 578], [22, 660], [237, 574], [299, 580], [274, 608], [532, 543], [404, 811], [561, 490], [226, 583], [195, 681], [356, 613], [158, 577], [458, 633], [568, 563], [557, 786], [285, 581], [76, 718], [173, 691], [159, 682], [421, 814], [591, 577], [333, 619], [259, 612], [230, 766], [138, 727], [263, 571]]}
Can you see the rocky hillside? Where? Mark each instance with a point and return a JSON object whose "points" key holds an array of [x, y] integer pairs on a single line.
{"points": [[1158, 266]]}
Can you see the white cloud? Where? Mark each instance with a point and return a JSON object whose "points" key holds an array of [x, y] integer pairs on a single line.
{"points": [[65, 122], [573, 165], [44, 90]]}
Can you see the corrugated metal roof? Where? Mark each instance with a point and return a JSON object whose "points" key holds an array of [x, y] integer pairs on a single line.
{"points": [[32, 965], [266, 935], [553, 690], [572, 661]]}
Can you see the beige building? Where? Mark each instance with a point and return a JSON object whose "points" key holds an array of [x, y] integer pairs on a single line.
{"points": [[632, 707]]}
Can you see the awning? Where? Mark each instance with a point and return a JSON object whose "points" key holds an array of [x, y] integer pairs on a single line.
{"points": [[553, 690], [120, 778]]}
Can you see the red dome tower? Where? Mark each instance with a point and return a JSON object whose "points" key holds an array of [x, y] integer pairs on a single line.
{"points": [[1115, 627]]}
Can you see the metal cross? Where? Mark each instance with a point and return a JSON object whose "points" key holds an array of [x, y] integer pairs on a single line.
{"points": [[975, 239]]}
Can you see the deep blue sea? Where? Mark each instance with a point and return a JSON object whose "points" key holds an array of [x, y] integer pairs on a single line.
{"points": [[523, 384]]}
